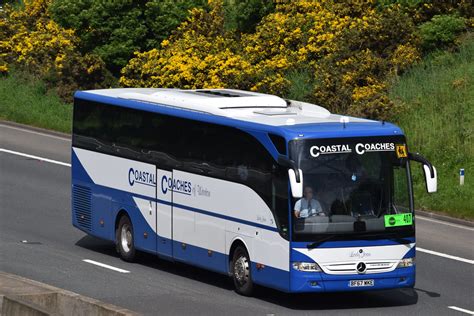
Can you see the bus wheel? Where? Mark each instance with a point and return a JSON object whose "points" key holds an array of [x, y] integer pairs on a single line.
{"points": [[124, 236], [241, 273]]}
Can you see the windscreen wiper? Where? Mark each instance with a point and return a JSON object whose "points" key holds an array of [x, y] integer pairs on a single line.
{"points": [[318, 243]]}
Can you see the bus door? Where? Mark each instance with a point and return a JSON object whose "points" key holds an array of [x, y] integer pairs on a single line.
{"points": [[164, 212]]}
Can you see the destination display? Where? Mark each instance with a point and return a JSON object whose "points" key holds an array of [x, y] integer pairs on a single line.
{"points": [[359, 148]]}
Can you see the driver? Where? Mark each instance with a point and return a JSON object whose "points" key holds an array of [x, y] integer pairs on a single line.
{"points": [[308, 206]]}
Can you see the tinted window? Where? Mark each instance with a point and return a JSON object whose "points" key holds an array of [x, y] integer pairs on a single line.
{"points": [[194, 146], [279, 142]]}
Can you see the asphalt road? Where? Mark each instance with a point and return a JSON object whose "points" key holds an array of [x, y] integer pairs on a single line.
{"points": [[35, 207]]}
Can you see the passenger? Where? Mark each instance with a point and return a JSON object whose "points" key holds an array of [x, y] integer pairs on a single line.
{"points": [[308, 206]]}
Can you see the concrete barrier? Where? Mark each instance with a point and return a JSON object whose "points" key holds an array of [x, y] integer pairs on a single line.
{"points": [[17, 306], [21, 296]]}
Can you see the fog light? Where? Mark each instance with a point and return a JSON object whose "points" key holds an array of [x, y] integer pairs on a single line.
{"points": [[306, 266], [407, 262], [313, 283]]}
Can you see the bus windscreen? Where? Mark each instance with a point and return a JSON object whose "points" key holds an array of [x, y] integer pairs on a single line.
{"points": [[352, 187]]}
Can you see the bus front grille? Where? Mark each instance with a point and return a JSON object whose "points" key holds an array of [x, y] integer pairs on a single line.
{"points": [[350, 267], [81, 205]]}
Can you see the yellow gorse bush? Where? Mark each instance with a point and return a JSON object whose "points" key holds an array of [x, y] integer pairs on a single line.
{"points": [[31, 39], [197, 55], [33, 42], [44, 48], [349, 49]]}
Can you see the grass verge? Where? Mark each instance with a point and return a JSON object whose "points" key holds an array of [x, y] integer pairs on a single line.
{"points": [[438, 95], [24, 99]]}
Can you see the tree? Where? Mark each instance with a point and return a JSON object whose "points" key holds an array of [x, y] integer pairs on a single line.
{"points": [[115, 29], [244, 15]]}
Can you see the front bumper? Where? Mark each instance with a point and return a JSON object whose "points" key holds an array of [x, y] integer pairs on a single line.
{"points": [[322, 282]]}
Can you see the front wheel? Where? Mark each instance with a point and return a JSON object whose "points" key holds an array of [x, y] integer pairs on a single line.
{"points": [[241, 273], [124, 239]]}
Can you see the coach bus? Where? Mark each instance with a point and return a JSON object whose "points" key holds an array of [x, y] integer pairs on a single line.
{"points": [[269, 191]]}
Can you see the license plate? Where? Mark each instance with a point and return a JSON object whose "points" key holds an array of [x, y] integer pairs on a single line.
{"points": [[359, 283]]}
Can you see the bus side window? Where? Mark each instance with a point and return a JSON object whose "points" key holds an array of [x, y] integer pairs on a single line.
{"points": [[172, 142]]}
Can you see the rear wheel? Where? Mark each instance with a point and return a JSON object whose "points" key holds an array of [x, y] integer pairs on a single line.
{"points": [[124, 239], [241, 272]]}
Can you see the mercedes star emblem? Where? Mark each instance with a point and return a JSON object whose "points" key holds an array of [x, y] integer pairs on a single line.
{"points": [[361, 267]]}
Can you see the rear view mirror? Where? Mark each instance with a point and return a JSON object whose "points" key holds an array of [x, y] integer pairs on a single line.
{"points": [[295, 176], [429, 171], [431, 179], [296, 187]]}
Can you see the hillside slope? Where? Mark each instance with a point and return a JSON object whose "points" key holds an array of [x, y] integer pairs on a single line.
{"points": [[438, 95]]}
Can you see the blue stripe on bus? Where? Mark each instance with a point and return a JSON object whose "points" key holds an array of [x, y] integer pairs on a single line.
{"points": [[201, 211], [229, 218], [79, 173]]}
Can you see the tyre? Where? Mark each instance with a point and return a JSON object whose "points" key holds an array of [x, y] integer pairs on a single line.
{"points": [[241, 272], [124, 239]]}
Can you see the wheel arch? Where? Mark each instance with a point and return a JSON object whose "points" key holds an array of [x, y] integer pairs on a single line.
{"points": [[121, 212], [237, 241]]}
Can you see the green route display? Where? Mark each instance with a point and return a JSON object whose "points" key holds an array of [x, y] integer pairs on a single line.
{"points": [[394, 220]]}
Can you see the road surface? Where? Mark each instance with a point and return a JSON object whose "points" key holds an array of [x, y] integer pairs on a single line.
{"points": [[37, 241]]}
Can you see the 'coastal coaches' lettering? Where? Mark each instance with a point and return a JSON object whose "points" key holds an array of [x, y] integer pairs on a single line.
{"points": [[141, 177], [175, 185], [360, 148]]}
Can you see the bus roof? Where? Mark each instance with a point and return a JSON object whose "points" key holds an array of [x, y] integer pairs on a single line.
{"points": [[290, 116]]}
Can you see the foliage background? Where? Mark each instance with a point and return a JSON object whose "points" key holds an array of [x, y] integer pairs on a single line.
{"points": [[380, 59]]}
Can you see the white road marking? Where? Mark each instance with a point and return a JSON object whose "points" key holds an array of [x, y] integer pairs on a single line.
{"points": [[34, 132], [35, 157], [103, 265], [444, 223], [440, 254], [459, 309]]}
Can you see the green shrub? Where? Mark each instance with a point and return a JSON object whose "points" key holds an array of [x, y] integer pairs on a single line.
{"points": [[301, 84], [162, 17], [244, 15], [441, 31], [424, 10], [78, 72], [115, 29]]}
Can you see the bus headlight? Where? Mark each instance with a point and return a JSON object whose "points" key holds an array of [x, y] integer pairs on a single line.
{"points": [[306, 266], [407, 262]]}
